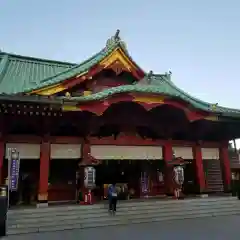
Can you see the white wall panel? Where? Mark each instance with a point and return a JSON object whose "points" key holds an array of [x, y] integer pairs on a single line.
{"points": [[26, 151], [184, 152], [126, 152], [210, 153], [65, 151]]}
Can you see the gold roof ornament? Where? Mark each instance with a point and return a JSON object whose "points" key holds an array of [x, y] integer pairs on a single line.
{"points": [[149, 76], [116, 40], [168, 74], [116, 36], [214, 106], [67, 94]]}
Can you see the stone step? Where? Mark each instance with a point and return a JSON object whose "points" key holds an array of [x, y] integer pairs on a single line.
{"points": [[215, 181], [213, 164], [213, 167], [214, 173], [219, 186], [216, 188], [121, 204], [214, 170], [120, 220], [104, 213], [96, 222], [215, 176], [60, 218]]}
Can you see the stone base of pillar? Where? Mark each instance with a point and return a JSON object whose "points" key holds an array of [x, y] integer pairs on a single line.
{"points": [[203, 195], [42, 205], [42, 200]]}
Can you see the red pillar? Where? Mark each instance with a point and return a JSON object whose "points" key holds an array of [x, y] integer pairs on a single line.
{"points": [[225, 163], [44, 171], [86, 152], [197, 155], [2, 153], [168, 156], [85, 161]]}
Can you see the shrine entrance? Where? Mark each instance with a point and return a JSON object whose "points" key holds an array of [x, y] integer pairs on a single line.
{"points": [[135, 178], [26, 190], [28, 183], [190, 185]]}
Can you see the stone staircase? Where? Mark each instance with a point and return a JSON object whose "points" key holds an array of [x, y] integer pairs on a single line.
{"points": [[234, 160], [214, 178], [129, 212]]}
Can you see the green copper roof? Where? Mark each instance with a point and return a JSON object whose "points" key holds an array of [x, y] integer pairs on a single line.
{"points": [[18, 73], [158, 84]]}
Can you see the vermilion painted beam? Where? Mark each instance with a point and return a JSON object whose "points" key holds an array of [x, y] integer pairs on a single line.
{"points": [[38, 139], [77, 80], [137, 141], [99, 107], [66, 139], [140, 74], [124, 141], [121, 140], [15, 138]]}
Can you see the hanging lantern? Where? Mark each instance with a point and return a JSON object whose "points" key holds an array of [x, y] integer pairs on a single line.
{"points": [[89, 177], [178, 175]]}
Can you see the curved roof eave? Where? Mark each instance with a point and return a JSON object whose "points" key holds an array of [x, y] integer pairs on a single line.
{"points": [[165, 88]]}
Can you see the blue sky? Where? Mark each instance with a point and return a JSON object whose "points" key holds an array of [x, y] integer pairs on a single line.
{"points": [[199, 41]]}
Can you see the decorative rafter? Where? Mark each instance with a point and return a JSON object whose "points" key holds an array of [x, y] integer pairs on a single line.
{"points": [[118, 67]]}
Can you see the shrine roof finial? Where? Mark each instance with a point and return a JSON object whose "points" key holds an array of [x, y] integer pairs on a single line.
{"points": [[116, 36], [114, 40], [149, 76]]}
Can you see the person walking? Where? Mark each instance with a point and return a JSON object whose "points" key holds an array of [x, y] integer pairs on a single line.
{"points": [[112, 198]]}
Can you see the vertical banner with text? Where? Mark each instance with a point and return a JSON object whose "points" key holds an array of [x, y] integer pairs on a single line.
{"points": [[14, 165]]}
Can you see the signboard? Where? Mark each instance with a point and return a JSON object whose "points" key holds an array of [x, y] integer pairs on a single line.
{"points": [[14, 165]]}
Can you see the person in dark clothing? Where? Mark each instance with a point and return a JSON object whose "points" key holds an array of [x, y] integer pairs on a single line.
{"points": [[112, 198]]}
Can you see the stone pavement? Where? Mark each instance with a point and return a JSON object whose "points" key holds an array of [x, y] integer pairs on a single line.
{"points": [[219, 228]]}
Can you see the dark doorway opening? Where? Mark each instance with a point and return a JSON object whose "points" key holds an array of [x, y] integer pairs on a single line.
{"points": [[128, 173], [28, 183], [62, 180], [190, 181]]}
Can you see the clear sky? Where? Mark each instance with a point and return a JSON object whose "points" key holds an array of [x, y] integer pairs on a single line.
{"points": [[199, 41]]}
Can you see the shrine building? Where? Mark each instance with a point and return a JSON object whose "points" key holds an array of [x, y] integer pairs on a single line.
{"points": [[108, 112]]}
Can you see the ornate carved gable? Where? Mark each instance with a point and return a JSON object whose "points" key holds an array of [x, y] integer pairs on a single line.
{"points": [[100, 82]]}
